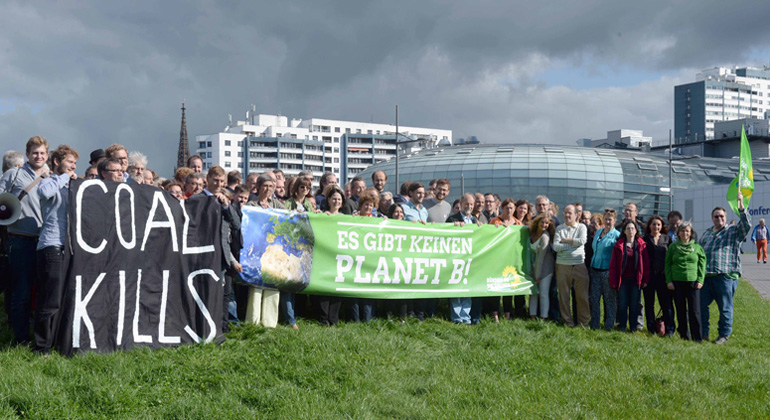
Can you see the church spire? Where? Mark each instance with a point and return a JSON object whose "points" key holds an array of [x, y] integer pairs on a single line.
{"points": [[184, 146]]}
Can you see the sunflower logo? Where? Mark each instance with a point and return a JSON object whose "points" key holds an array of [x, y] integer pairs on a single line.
{"points": [[513, 274]]}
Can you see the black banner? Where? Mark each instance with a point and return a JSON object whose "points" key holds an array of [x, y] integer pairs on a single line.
{"points": [[142, 269]]}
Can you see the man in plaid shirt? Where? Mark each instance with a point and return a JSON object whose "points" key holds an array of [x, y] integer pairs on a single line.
{"points": [[723, 268]]}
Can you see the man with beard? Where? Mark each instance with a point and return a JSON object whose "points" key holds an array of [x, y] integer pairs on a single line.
{"points": [[438, 208]]}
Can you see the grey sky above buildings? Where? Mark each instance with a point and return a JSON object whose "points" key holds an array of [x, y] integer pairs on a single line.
{"points": [[92, 73]]}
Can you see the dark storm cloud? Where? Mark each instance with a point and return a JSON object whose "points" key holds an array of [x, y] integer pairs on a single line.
{"points": [[90, 74]]}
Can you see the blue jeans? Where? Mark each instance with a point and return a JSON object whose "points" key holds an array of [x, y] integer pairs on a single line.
{"points": [[286, 304], [628, 305], [460, 310], [18, 295], [476, 304], [722, 290]]}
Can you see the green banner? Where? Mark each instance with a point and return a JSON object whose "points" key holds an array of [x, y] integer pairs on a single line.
{"points": [[372, 257]]}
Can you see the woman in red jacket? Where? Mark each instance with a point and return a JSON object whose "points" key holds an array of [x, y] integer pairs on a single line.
{"points": [[629, 273]]}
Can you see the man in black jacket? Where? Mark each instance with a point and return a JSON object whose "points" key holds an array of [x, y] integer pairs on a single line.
{"points": [[460, 308]]}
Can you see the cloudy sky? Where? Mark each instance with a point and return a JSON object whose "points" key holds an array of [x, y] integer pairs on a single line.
{"points": [[92, 73]]}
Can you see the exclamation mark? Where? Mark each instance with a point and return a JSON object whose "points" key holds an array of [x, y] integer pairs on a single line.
{"points": [[467, 268]]}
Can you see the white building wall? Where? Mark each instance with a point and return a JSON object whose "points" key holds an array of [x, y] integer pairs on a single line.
{"points": [[725, 105], [696, 205], [326, 130]]}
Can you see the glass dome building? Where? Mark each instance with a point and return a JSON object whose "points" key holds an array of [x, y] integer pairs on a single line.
{"points": [[599, 178]]}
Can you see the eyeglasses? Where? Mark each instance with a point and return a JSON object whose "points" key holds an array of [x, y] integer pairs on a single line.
{"points": [[124, 159], [609, 211]]}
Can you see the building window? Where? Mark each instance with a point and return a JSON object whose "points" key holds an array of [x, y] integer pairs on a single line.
{"points": [[336, 129], [202, 145], [368, 131], [336, 150], [347, 130], [208, 144], [228, 143], [336, 139], [227, 165], [315, 137], [240, 165], [358, 131], [208, 155], [336, 160], [227, 153], [240, 154], [240, 144]]}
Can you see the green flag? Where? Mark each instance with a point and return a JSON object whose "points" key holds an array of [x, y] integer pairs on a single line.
{"points": [[745, 176]]}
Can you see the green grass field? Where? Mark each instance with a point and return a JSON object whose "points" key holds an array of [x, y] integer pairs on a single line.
{"points": [[415, 370]]}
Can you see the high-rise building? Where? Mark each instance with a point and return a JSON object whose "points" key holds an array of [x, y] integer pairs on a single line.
{"points": [[345, 148], [719, 94]]}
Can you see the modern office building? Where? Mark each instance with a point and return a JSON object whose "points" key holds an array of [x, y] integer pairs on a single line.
{"points": [[345, 148], [719, 94], [599, 178]]}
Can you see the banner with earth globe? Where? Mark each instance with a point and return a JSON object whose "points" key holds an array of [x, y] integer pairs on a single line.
{"points": [[372, 257]]}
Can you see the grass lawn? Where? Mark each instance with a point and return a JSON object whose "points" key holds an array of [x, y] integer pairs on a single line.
{"points": [[415, 370]]}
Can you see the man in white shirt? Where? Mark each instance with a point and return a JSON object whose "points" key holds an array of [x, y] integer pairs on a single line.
{"points": [[571, 271]]}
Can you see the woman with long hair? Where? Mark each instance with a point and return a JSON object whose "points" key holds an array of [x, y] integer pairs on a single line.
{"points": [[327, 308], [657, 240], [522, 212], [629, 273], [511, 304], [541, 232]]}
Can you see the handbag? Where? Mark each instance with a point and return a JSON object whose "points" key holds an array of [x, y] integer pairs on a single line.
{"points": [[660, 325]]}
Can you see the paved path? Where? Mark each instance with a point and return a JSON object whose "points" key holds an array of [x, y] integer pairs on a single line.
{"points": [[758, 275]]}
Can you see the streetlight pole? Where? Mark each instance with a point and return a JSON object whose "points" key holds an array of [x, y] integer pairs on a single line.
{"points": [[670, 172], [396, 137]]}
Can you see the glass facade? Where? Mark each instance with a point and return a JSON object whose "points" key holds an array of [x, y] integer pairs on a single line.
{"points": [[599, 178]]}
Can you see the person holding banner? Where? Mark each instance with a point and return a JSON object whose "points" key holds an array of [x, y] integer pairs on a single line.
{"points": [[231, 226], [263, 303], [541, 230], [460, 307], [53, 193], [722, 245], [23, 235], [327, 308], [519, 302]]}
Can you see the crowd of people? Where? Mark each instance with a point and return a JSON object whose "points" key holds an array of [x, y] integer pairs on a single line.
{"points": [[584, 263]]}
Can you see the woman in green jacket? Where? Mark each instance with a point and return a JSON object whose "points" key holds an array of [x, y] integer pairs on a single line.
{"points": [[685, 272]]}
